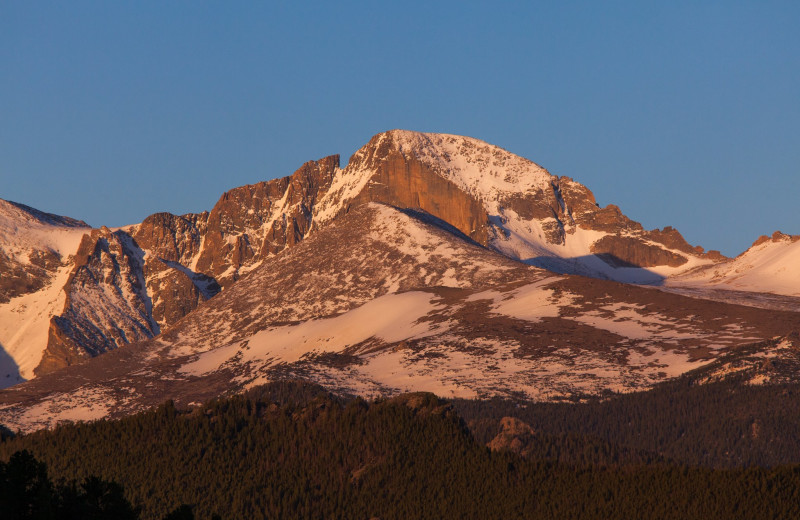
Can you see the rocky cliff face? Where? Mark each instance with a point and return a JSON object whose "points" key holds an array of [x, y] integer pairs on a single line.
{"points": [[106, 302], [172, 244], [252, 222], [119, 292], [130, 284], [404, 181], [508, 203], [171, 237]]}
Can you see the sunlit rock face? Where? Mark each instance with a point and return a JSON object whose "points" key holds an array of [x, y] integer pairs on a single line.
{"points": [[382, 301], [65, 299], [106, 302], [252, 222]]}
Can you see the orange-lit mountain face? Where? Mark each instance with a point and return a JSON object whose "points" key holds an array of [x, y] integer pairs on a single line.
{"points": [[430, 262]]}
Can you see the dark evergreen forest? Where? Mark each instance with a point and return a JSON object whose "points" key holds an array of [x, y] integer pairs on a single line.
{"points": [[727, 424], [289, 450]]}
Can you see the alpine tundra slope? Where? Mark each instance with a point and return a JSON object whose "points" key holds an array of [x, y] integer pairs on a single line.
{"points": [[430, 262]]}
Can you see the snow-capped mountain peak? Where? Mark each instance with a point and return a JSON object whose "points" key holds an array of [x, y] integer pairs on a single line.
{"points": [[106, 288]]}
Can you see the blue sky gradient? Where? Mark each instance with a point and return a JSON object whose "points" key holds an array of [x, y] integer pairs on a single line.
{"points": [[681, 113]]}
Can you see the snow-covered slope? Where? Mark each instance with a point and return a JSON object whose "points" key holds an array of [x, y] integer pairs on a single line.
{"points": [[771, 264], [35, 250], [525, 212], [25, 231], [383, 301], [133, 283]]}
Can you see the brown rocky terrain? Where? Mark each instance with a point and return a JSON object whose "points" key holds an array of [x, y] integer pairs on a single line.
{"points": [[105, 306], [30, 268], [19, 278], [152, 279], [408, 305], [118, 293], [252, 222], [404, 181], [775, 361], [777, 236]]}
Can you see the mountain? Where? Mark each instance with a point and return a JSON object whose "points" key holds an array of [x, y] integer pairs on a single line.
{"points": [[117, 281], [422, 251], [769, 265], [524, 212], [35, 250], [409, 304]]}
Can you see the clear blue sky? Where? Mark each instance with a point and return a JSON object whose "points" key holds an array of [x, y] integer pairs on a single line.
{"points": [[682, 113]]}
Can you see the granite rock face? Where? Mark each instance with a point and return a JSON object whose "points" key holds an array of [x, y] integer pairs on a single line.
{"points": [[490, 194], [171, 237], [131, 284], [106, 302], [118, 292], [404, 181], [626, 251], [252, 222]]}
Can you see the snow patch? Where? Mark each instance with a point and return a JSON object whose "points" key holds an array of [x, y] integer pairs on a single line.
{"points": [[390, 318]]}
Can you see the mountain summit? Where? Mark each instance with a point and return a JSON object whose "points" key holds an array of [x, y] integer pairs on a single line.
{"points": [[431, 244]]}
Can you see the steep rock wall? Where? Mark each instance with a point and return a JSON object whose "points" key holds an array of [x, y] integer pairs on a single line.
{"points": [[251, 222], [406, 182], [106, 304]]}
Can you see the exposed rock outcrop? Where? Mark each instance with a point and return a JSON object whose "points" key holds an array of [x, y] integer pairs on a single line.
{"points": [[171, 237], [631, 252], [24, 278], [777, 236], [515, 436], [254, 221], [106, 302], [404, 181], [119, 293]]}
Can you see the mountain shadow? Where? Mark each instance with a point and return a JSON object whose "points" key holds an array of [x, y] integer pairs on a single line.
{"points": [[605, 265], [9, 370], [424, 216]]}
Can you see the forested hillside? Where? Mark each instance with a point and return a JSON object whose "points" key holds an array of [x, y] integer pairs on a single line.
{"points": [[720, 425], [293, 451]]}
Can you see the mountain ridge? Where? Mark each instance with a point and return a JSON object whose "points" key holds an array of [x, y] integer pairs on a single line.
{"points": [[139, 281], [406, 306]]}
